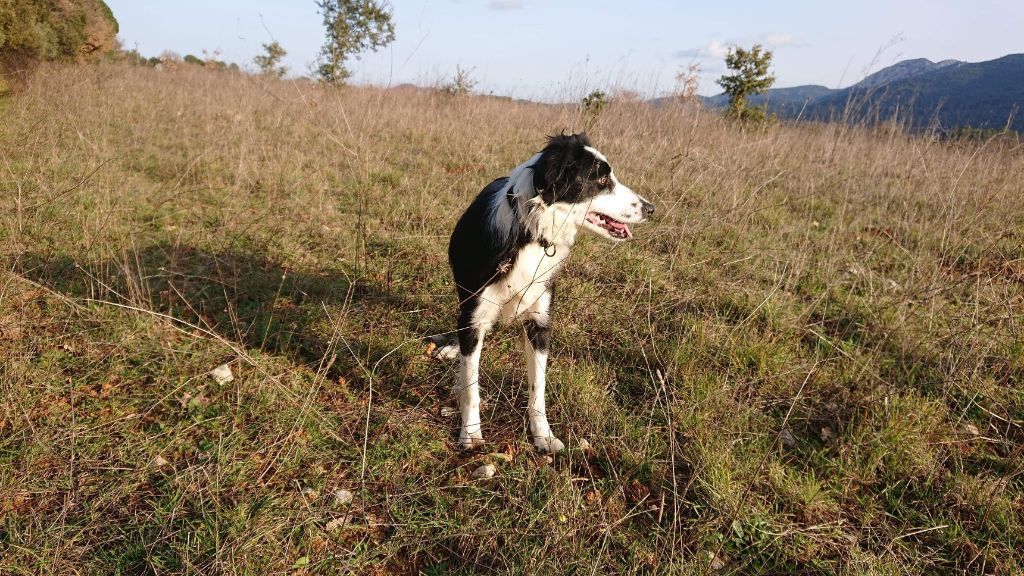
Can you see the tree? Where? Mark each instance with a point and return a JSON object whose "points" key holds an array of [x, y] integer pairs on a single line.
{"points": [[270, 61], [352, 27], [750, 76], [462, 84]]}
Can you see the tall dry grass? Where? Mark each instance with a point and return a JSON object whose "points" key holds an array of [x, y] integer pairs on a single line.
{"points": [[811, 361]]}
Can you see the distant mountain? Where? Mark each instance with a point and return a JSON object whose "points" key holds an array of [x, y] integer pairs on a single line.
{"points": [[902, 71], [794, 96], [948, 95], [980, 95]]}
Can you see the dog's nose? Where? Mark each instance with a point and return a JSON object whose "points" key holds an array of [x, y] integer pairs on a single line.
{"points": [[648, 209]]}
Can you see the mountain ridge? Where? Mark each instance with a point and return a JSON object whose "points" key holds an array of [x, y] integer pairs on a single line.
{"points": [[948, 95]]}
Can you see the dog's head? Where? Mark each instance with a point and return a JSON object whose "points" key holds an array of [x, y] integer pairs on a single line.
{"points": [[573, 175]]}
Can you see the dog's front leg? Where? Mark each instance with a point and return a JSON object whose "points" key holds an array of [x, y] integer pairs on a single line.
{"points": [[536, 339], [467, 389]]}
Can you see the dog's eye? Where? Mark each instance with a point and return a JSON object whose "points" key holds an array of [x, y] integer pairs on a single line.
{"points": [[604, 180]]}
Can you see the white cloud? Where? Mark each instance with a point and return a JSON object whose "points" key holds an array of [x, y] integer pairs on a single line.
{"points": [[717, 49], [777, 40], [507, 4], [713, 50]]}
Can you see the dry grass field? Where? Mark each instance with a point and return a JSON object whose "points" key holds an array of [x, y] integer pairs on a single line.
{"points": [[810, 362]]}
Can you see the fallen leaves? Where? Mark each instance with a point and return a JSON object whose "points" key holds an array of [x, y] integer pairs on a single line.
{"points": [[222, 374], [828, 435]]}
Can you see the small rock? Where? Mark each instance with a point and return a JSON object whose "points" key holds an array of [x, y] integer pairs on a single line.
{"points": [[343, 496], [969, 429], [160, 461], [584, 445], [448, 411], [787, 438], [717, 563], [222, 374], [485, 471], [828, 435], [309, 493]]}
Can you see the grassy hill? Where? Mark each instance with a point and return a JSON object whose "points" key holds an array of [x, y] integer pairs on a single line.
{"points": [[810, 362]]}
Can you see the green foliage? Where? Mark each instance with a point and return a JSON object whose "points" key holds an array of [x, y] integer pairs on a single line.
{"points": [[191, 59], [755, 115], [47, 30], [594, 102], [969, 133], [270, 61], [750, 76], [462, 84], [352, 27]]}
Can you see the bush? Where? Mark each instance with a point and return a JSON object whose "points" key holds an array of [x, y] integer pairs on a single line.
{"points": [[594, 102], [38, 30], [462, 84]]}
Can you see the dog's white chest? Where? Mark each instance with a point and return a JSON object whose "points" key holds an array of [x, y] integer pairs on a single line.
{"points": [[523, 292]]}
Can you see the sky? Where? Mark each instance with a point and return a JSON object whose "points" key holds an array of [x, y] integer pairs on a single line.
{"points": [[561, 49]]}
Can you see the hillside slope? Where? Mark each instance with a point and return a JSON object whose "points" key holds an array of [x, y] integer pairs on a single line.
{"points": [[809, 362]]}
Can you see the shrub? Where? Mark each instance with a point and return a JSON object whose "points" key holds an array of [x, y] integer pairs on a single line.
{"points": [[462, 84], [38, 30], [594, 102]]}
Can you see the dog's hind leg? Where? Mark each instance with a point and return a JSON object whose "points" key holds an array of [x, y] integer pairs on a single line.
{"points": [[536, 339], [467, 389]]}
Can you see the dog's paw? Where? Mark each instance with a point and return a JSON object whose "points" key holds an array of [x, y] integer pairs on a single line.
{"points": [[549, 444], [448, 351], [471, 441]]}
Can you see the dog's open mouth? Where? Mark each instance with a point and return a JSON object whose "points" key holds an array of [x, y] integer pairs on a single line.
{"points": [[615, 228]]}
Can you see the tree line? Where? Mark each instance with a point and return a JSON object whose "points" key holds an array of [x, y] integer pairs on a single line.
{"points": [[41, 30]]}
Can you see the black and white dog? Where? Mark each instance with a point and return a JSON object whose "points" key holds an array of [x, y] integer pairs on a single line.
{"points": [[506, 250]]}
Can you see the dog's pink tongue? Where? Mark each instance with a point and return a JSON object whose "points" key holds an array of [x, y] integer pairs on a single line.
{"points": [[621, 227]]}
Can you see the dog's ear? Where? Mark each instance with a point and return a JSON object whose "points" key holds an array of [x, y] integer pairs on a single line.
{"points": [[558, 168]]}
